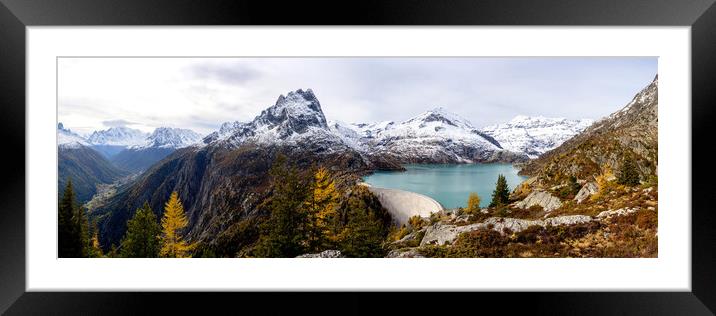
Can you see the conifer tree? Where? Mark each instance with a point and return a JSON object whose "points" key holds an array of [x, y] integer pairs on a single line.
{"points": [[628, 174], [501, 194], [473, 203], [68, 228], [573, 185], [286, 227], [323, 215], [94, 251], [173, 222], [363, 236], [143, 233], [82, 224], [367, 224]]}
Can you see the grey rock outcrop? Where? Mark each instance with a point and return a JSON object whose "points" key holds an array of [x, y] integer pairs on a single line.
{"points": [[499, 224], [324, 254], [618, 212], [405, 253], [567, 220], [547, 201], [440, 234], [586, 191]]}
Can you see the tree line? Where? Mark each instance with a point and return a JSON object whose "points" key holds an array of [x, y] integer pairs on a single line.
{"points": [[146, 237], [309, 214], [305, 213]]}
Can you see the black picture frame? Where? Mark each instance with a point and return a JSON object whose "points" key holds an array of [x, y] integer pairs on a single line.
{"points": [[15, 15]]}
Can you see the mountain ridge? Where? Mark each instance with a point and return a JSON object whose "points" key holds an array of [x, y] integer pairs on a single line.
{"points": [[631, 131]]}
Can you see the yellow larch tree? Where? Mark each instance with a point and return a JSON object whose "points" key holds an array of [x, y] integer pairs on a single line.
{"points": [[325, 200], [173, 221], [473, 203]]}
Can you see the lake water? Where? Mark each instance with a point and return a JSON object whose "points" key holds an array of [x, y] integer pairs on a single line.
{"points": [[449, 184]]}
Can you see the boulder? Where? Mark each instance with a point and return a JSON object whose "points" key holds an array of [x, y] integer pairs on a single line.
{"points": [[405, 253], [440, 234], [412, 236], [514, 224], [619, 212], [324, 254], [547, 201], [567, 220], [586, 191]]}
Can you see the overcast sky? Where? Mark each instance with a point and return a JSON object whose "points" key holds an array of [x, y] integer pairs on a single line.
{"points": [[202, 93]]}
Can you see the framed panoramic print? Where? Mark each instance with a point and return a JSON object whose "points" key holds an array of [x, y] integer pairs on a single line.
{"points": [[404, 146]]}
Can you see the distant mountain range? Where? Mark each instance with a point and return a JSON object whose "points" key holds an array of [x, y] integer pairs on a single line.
{"points": [[534, 136], [107, 155], [224, 177]]}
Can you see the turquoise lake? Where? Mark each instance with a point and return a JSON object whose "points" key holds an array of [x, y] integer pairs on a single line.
{"points": [[449, 184]]}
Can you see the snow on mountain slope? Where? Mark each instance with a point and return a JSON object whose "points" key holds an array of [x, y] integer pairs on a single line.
{"points": [[167, 137], [535, 135], [68, 139], [439, 136], [434, 136], [118, 136], [295, 118]]}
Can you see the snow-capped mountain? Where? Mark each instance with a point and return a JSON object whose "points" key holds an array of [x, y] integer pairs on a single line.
{"points": [[433, 136], [67, 138], [161, 143], [225, 131], [167, 137], [295, 118], [535, 135], [118, 136]]}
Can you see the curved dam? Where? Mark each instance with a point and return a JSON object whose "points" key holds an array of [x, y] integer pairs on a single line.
{"points": [[404, 204]]}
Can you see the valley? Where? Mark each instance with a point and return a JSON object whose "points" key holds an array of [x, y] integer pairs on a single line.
{"points": [[290, 183]]}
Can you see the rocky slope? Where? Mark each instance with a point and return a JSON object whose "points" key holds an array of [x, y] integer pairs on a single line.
{"points": [[631, 131], [535, 135], [225, 179]]}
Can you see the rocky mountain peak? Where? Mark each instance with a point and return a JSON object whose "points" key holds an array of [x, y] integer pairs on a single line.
{"points": [[68, 139], [295, 112]]}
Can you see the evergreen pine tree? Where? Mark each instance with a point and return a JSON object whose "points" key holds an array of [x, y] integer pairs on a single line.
{"points": [[286, 227], [82, 227], [363, 236], [173, 222], [143, 233], [366, 224], [628, 174], [501, 195], [573, 185], [68, 228]]}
